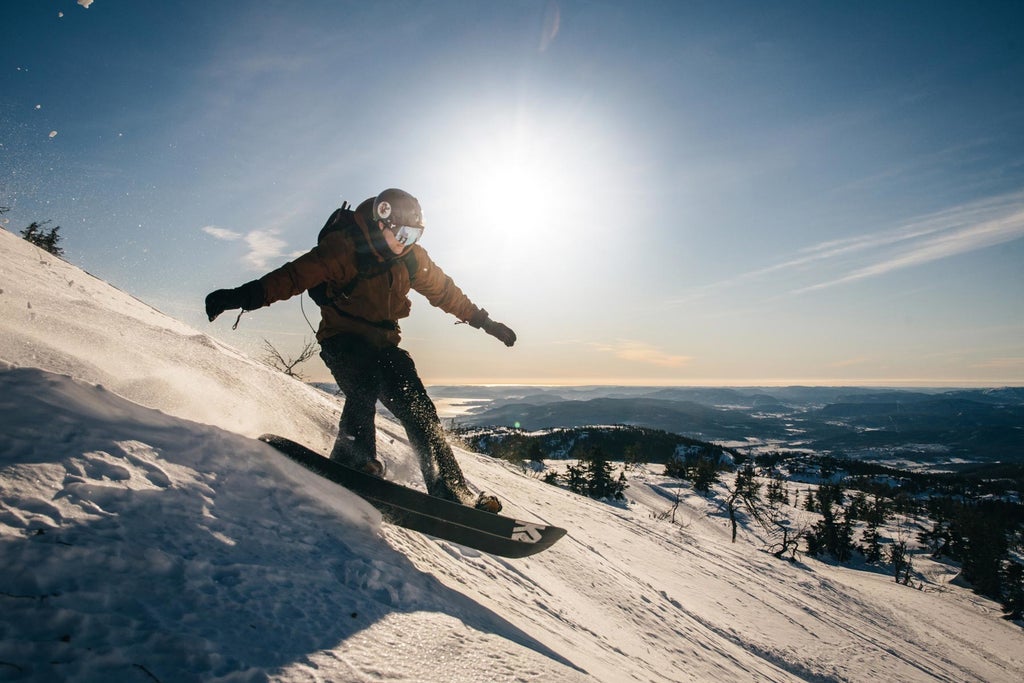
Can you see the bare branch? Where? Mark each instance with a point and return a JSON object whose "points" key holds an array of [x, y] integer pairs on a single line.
{"points": [[274, 359]]}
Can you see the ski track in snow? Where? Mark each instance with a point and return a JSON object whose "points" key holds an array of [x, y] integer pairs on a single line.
{"points": [[146, 535]]}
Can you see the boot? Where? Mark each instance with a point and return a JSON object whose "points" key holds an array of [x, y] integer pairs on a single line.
{"points": [[373, 466], [488, 503]]}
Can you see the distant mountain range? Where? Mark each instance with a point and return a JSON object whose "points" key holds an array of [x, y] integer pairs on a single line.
{"points": [[985, 425]]}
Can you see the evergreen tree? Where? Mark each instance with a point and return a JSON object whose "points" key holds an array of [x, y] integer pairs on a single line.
{"points": [[832, 535], [776, 493], [592, 476], [1013, 590], [44, 239], [700, 469], [872, 547], [859, 508], [815, 543], [874, 516], [675, 467], [746, 491], [829, 495], [575, 480], [598, 476], [843, 546], [704, 474], [937, 539], [985, 547]]}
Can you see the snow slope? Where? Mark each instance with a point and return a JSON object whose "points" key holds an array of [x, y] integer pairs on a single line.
{"points": [[146, 535]]}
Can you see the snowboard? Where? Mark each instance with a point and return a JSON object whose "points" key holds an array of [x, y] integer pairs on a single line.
{"points": [[412, 509]]}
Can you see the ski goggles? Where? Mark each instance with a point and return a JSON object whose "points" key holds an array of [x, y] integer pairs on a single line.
{"points": [[406, 235]]}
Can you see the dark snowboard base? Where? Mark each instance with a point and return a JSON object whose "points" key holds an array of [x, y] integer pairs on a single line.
{"points": [[412, 509]]}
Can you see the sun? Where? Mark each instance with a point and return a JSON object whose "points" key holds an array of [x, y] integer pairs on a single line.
{"points": [[523, 182], [530, 187], [518, 192]]}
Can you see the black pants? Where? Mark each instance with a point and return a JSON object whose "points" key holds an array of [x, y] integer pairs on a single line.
{"points": [[366, 373]]}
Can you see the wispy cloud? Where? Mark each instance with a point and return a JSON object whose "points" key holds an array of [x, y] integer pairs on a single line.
{"points": [[265, 247], [942, 236], [222, 233], [641, 352], [959, 230]]}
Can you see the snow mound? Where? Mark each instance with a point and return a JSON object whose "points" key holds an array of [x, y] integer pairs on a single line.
{"points": [[140, 540], [59, 318]]}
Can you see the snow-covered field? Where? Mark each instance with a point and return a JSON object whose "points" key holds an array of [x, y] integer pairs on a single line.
{"points": [[146, 535]]}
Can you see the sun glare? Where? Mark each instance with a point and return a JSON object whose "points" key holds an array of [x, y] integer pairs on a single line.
{"points": [[525, 179], [529, 187], [524, 184], [528, 190]]}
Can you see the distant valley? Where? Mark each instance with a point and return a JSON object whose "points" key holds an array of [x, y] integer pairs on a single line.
{"points": [[933, 429]]}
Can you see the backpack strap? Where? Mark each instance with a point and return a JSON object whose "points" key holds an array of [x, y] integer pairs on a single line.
{"points": [[409, 259]]}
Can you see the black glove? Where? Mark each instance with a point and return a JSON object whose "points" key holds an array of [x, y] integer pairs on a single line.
{"points": [[249, 297], [497, 330], [501, 332]]}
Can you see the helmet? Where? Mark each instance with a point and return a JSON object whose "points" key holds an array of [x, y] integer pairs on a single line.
{"points": [[397, 208]]}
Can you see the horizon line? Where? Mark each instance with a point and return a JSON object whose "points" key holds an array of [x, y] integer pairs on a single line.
{"points": [[748, 383]]}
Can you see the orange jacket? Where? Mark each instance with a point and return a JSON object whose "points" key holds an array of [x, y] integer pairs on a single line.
{"points": [[377, 301]]}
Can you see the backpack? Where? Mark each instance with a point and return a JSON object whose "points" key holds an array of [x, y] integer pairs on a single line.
{"points": [[367, 265]]}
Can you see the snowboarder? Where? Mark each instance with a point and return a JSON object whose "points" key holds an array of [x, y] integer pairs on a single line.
{"points": [[360, 274]]}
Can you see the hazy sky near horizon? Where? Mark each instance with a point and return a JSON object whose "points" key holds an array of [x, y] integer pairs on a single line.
{"points": [[648, 192]]}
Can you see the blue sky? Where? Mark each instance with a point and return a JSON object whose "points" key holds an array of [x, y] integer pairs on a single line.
{"points": [[650, 192]]}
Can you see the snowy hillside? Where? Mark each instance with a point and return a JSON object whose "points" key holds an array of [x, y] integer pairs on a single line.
{"points": [[146, 535]]}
